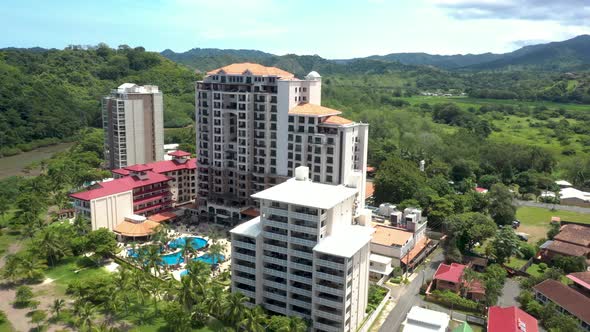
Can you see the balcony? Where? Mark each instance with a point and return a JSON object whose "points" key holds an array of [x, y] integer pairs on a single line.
{"points": [[278, 212], [329, 290], [273, 248], [300, 291], [305, 216], [275, 273], [301, 254], [277, 261], [304, 229], [275, 236], [246, 257], [302, 267], [246, 292], [330, 264], [299, 303], [328, 315], [277, 224], [275, 308], [245, 245], [328, 302], [325, 327], [329, 277], [244, 269], [275, 284], [243, 280], [303, 242], [301, 279], [275, 296], [151, 198]]}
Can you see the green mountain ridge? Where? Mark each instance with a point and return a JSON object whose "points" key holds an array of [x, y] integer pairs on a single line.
{"points": [[568, 55]]}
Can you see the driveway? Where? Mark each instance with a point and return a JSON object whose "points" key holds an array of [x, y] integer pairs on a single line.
{"points": [[410, 295], [510, 292]]}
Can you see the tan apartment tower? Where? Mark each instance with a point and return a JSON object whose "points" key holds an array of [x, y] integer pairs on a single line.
{"points": [[133, 122], [256, 124]]}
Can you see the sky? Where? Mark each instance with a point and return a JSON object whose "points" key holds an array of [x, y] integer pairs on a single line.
{"points": [[330, 28]]}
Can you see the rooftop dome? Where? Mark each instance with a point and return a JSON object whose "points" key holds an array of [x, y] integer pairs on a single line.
{"points": [[313, 75]]}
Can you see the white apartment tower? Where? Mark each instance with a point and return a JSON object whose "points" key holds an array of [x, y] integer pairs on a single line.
{"points": [[256, 124], [133, 122], [303, 256]]}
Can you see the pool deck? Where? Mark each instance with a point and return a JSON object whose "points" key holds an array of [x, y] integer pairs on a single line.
{"points": [[223, 266]]}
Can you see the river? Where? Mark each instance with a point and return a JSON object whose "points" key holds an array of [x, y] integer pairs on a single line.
{"points": [[14, 165]]}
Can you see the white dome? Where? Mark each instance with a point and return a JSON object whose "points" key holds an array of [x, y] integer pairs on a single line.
{"points": [[313, 75]]}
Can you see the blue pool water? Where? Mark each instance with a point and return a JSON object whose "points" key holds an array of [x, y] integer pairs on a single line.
{"points": [[209, 259], [197, 242], [174, 258]]}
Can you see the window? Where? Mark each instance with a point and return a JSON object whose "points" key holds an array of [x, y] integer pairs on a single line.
{"points": [[291, 119]]}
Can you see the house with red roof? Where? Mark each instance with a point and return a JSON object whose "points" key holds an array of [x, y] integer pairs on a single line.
{"points": [[570, 300], [143, 189], [450, 277], [510, 319]]}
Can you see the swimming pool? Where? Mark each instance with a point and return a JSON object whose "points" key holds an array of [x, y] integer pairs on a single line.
{"points": [[207, 258], [173, 258], [197, 242]]}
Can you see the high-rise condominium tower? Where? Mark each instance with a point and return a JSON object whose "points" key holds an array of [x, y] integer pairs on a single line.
{"points": [[303, 256], [133, 122], [256, 124]]}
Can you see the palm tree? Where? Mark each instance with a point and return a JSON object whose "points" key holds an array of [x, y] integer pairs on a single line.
{"points": [[216, 300], [51, 245], [85, 315], [153, 259], [297, 324], [235, 307], [186, 296], [468, 277], [216, 252], [11, 270], [57, 306], [254, 320], [161, 234], [81, 224], [188, 249], [31, 267]]}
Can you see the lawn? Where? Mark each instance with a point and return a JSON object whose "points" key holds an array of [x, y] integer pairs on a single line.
{"points": [[515, 263], [160, 326], [534, 271], [6, 327], [65, 272], [535, 220]]}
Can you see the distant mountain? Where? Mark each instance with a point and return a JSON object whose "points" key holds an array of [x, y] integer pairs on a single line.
{"points": [[442, 61], [568, 55]]}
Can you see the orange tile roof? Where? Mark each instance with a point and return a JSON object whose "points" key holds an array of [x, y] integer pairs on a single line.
{"points": [[369, 189], [251, 212], [313, 109], [337, 120], [131, 229], [162, 216], [388, 236], [254, 68]]}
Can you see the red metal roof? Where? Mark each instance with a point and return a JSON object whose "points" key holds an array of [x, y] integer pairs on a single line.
{"points": [[510, 319], [451, 273], [164, 166], [179, 153], [138, 168], [120, 185]]}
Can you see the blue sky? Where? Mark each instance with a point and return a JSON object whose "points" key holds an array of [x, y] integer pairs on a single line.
{"points": [[329, 28]]}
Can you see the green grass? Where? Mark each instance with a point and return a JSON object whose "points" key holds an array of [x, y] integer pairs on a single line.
{"points": [[65, 272], [159, 326], [515, 263], [536, 216], [6, 327], [534, 271]]}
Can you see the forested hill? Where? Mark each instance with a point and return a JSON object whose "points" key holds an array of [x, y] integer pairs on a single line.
{"points": [[50, 94], [568, 55]]}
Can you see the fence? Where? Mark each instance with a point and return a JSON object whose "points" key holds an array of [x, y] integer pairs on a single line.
{"points": [[369, 321]]}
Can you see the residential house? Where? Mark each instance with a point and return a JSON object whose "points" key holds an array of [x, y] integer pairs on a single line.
{"points": [[451, 277], [510, 319], [568, 299], [572, 240], [424, 320]]}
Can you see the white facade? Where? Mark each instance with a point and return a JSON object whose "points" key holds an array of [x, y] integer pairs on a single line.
{"points": [[107, 211], [303, 256], [424, 320], [247, 140], [133, 120]]}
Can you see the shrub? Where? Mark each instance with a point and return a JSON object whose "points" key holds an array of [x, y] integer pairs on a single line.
{"points": [[527, 250], [24, 296], [449, 298], [376, 295]]}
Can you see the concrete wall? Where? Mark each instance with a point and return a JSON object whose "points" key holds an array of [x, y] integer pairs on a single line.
{"points": [[109, 211]]}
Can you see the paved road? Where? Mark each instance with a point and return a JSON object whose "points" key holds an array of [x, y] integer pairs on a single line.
{"points": [[510, 292], [410, 295], [553, 206]]}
